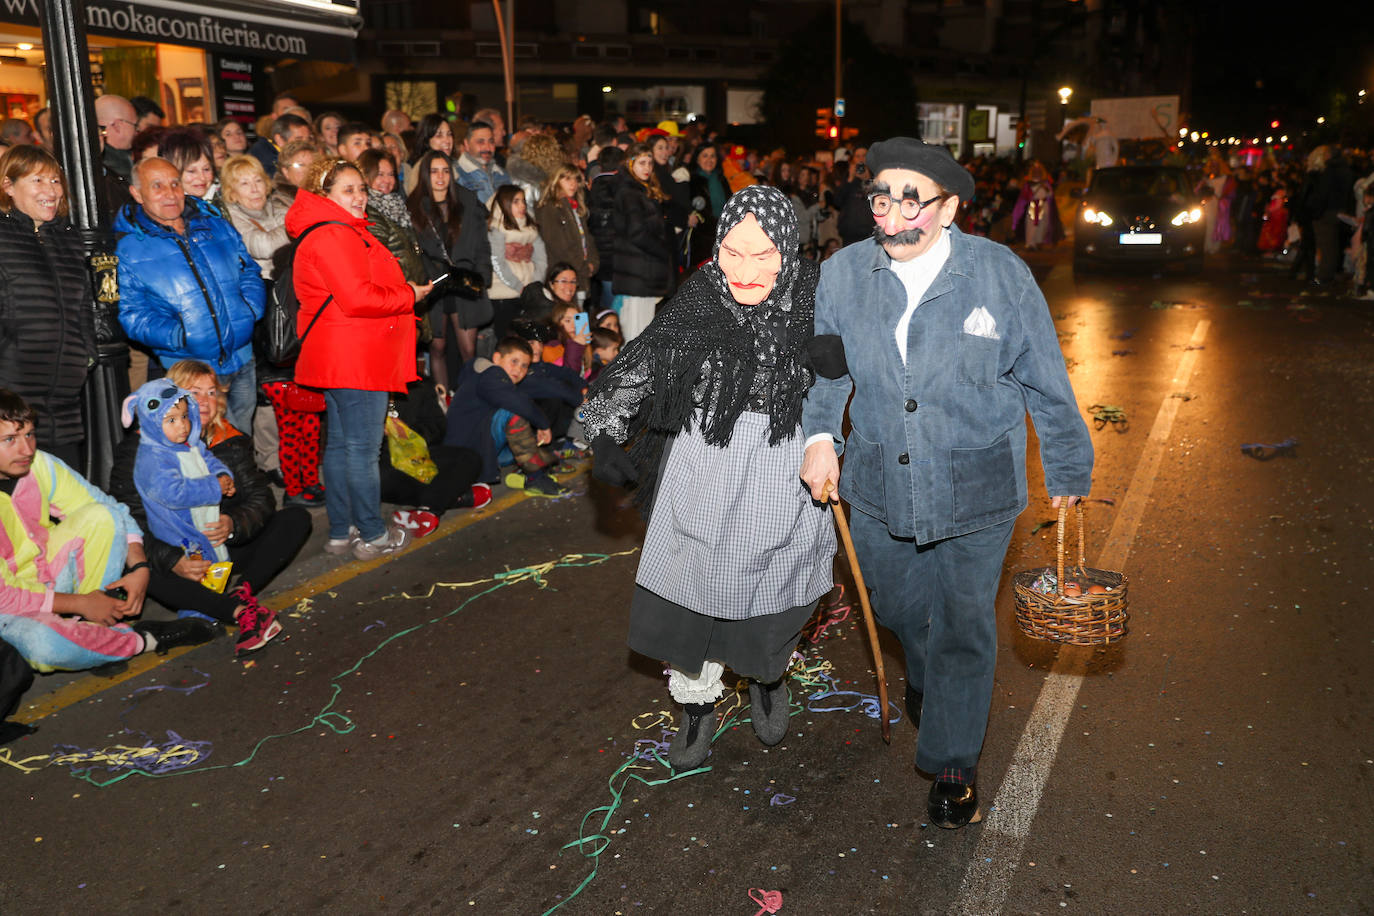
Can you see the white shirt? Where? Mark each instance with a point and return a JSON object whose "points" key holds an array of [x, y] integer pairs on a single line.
{"points": [[916, 276]]}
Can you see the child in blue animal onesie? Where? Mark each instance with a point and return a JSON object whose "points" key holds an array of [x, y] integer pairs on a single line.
{"points": [[180, 481]]}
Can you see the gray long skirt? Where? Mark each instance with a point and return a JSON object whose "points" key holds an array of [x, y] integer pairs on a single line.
{"points": [[733, 532], [756, 647]]}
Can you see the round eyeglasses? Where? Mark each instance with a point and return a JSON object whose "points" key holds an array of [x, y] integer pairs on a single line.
{"points": [[910, 208]]}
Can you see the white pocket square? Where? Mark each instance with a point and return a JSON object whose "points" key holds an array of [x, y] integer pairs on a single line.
{"points": [[980, 323]]}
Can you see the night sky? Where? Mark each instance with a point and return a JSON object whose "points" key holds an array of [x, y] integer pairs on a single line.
{"points": [[1256, 62]]}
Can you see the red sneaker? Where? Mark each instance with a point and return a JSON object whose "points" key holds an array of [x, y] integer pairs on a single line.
{"points": [[257, 625], [481, 495], [419, 522]]}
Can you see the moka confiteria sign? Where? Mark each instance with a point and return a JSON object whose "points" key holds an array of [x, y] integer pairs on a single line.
{"points": [[285, 28]]}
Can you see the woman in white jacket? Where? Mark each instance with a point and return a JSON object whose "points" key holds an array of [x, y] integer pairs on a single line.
{"points": [[518, 255]]}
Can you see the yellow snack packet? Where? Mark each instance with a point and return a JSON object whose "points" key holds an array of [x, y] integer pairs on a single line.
{"points": [[217, 576]]}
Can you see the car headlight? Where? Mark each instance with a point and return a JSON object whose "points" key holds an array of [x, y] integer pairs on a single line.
{"points": [[1184, 217], [1096, 216]]}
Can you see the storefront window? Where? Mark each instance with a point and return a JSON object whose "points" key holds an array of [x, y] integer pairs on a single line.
{"points": [[942, 123]]}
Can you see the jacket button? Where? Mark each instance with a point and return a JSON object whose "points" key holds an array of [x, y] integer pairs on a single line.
{"points": [[910, 406], [904, 458]]}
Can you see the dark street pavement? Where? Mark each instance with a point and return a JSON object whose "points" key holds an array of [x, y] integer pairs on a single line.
{"points": [[439, 732]]}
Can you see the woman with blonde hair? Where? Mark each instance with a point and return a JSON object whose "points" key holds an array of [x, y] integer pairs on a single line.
{"points": [[287, 442], [258, 216], [562, 219]]}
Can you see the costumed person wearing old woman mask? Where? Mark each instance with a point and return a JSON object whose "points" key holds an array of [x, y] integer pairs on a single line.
{"points": [[709, 397]]}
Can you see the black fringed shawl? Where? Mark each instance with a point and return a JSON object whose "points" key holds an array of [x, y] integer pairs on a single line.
{"points": [[706, 352]]}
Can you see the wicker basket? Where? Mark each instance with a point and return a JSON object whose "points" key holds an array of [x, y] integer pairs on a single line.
{"points": [[1089, 620]]}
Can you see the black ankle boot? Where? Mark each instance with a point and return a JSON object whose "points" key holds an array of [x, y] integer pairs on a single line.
{"points": [[769, 709], [692, 742]]}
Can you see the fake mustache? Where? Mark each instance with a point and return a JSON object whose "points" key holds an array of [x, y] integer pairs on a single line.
{"points": [[905, 237]]}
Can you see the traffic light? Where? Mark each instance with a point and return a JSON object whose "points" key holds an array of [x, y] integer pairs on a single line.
{"points": [[823, 120], [834, 132], [1021, 129]]}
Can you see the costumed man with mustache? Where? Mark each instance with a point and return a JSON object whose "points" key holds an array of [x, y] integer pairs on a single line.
{"points": [[945, 342]]}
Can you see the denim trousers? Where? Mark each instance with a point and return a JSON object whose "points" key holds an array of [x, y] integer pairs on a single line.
{"points": [[242, 397], [940, 601], [352, 475]]}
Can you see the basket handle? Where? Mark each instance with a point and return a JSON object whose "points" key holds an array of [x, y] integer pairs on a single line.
{"points": [[1059, 542]]}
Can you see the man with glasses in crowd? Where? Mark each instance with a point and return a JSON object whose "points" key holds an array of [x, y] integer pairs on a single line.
{"points": [[945, 341], [118, 123]]}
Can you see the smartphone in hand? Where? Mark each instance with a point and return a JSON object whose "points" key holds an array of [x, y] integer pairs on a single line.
{"points": [[581, 324]]}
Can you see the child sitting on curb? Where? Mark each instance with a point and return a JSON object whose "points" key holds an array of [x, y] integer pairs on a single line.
{"points": [[557, 390], [502, 424]]}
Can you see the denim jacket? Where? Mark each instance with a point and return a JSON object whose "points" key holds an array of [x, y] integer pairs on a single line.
{"points": [[938, 446], [483, 182]]}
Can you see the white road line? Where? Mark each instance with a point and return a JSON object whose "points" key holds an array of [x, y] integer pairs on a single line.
{"points": [[1007, 825]]}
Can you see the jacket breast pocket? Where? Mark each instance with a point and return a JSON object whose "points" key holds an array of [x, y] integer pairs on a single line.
{"points": [[861, 480], [984, 481], [978, 360]]}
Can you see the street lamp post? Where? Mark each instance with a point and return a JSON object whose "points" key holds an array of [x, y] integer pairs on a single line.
{"points": [[1065, 93]]}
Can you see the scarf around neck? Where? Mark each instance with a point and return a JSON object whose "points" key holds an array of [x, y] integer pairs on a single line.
{"points": [[392, 206], [707, 356]]}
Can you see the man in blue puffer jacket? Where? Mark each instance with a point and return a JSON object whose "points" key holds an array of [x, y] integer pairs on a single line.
{"points": [[188, 287]]}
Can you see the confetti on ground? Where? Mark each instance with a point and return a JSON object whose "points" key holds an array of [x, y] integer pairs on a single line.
{"points": [[177, 756], [1103, 414], [1264, 451], [768, 901], [1049, 523], [646, 762]]}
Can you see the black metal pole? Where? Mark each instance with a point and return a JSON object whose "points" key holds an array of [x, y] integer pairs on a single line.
{"points": [[71, 101]]}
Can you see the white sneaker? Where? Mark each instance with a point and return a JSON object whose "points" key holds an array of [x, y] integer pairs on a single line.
{"points": [[393, 541], [341, 546]]}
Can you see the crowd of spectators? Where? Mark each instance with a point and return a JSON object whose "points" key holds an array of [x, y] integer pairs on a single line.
{"points": [[456, 286]]}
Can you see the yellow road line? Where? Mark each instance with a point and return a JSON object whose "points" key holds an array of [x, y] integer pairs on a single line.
{"points": [[88, 686]]}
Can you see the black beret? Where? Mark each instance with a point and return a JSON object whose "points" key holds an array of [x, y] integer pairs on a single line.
{"points": [[931, 160]]}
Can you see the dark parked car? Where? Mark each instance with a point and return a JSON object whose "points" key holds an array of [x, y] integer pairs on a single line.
{"points": [[1136, 214]]}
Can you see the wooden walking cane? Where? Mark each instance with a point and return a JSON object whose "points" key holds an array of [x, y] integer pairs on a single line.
{"points": [[872, 625]]}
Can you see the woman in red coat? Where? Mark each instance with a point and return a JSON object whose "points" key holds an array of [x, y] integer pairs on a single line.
{"points": [[361, 348]]}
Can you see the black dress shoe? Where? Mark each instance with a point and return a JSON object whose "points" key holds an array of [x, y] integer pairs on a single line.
{"points": [[914, 699], [953, 805], [184, 631]]}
